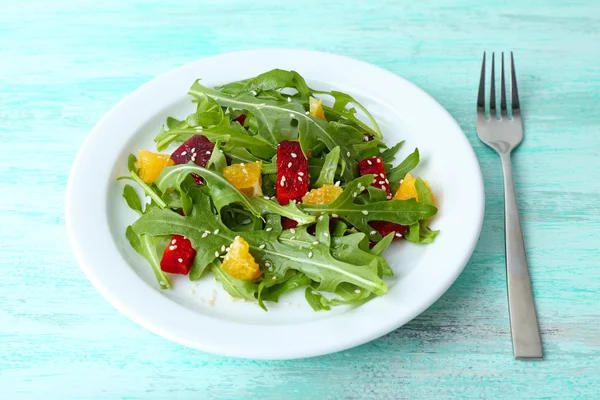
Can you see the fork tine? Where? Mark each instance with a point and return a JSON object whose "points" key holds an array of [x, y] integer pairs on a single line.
{"points": [[493, 92], [503, 112], [513, 77], [481, 95]]}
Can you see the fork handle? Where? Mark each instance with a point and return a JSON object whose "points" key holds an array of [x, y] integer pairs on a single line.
{"points": [[523, 319]]}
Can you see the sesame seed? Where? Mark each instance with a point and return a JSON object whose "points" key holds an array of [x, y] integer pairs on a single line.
{"points": [[262, 246], [320, 218], [272, 197], [300, 178], [162, 282], [222, 248], [307, 113], [173, 241], [267, 264], [180, 260], [244, 170], [316, 242], [208, 232], [366, 138], [382, 182], [220, 150], [386, 180], [369, 162], [269, 229], [282, 181], [389, 196], [348, 154], [198, 129], [204, 234], [216, 254], [401, 180], [373, 232], [357, 291], [254, 93], [354, 194], [398, 234], [172, 247], [208, 152], [294, 201], [184, 153], [294, 155], [326, 234], [223, 256], [292, 115], [365, 212], [334, 215], [382, 175], [216, 232], [301, 173], [292, 231], [274, 278], [289, 99], [227, 248], [193, 150], [290, 164], [266, 197], [237, 237], [337, 183], [242, 164], [379, 161], [310, 254]]}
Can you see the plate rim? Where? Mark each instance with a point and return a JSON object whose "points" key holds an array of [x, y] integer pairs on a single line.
{"points": [[129, 310]]}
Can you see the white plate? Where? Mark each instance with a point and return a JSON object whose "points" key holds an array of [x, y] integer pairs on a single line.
{"points": [[97, 215]]}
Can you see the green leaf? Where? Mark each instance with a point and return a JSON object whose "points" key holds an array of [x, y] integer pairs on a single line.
{"points": [[146, 246], [316, 300], [134, 171], [291, 251], [291, 210], [339, 109], [217, 161], [403, 212], [423, 192], [132, 199], [274, 292], [349, 294], [222, 192], [397, 173], [354, 249], [327, 174], [235, 287], [132, 164], [389, 155]]}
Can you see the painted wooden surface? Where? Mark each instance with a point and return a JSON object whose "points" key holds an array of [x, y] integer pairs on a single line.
{"points": [[63, 64]]}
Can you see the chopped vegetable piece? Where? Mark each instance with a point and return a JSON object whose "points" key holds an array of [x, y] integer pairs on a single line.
{"points": [[178, 256], [292, 172], [152, 164], [196, 149], [323, 195], [407, 189], [246, 178], [240, 119], [316, 108], [385, 228], [375, 166], [239, 263], [288, 223]]}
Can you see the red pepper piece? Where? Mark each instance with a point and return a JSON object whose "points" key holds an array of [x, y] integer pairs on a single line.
{"points": [[385, 228], [374, 166], [240, 119], [197, 149], [292, 172], [178, 256]]}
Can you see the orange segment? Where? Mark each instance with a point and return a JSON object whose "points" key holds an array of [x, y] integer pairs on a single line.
{"points": [[407, 189], [316, 108], [239, 263], [323, 195], [152, 164], [246, 178]]}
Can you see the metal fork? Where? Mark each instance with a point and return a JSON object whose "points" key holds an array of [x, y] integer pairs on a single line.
{"points": [[504, 134]]}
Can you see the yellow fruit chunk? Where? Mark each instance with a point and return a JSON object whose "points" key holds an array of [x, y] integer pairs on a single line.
{"points": [[407, 189], [239, 263], [152, 164], [246, 178], [323, 195], [316, 108]]}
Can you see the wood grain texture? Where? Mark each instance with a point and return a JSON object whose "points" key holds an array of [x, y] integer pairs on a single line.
{"points": [[63, 64]]}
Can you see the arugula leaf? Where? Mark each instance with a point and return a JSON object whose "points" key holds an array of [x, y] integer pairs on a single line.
{"points": [[132, 199], [208, 113], [217, 161], [349, 294], [274, 292], [146, 246], [133, 172], [290, 210], [316, 300], [389, 155], [327, 174], [420, 232], [423, 192], [223, 192], [235, 287], [339, 109], [298, 253], [269, 81], [403, 212], [410, 162], [173, 123], [354, 249]]}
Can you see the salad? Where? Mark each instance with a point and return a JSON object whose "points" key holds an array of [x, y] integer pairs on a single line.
{"points": [[271, 191]]}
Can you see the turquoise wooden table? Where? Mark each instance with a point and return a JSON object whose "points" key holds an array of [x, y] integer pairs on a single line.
{"points": [[63, 64]]}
